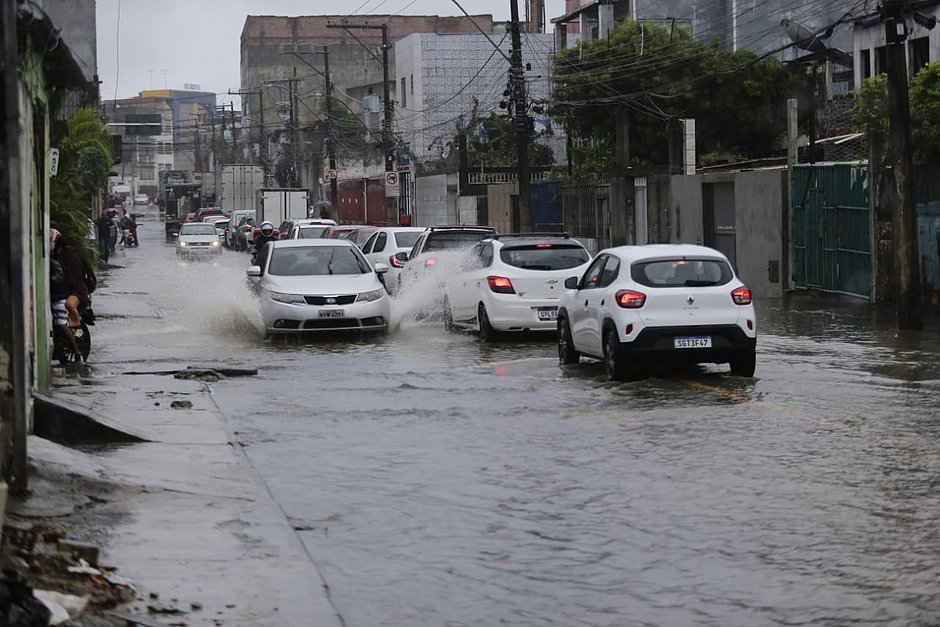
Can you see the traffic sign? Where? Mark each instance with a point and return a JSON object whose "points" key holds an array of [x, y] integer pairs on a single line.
{"points": [[332, 173], [391, 184]]}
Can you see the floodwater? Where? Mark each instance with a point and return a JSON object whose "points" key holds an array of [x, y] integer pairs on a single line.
{"points": [[440, 481]]}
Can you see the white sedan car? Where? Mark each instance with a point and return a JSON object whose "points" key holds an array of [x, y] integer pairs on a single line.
{"points": [[319, 285], [638, 306], [198, 238], [512, 283], [385, 243]]}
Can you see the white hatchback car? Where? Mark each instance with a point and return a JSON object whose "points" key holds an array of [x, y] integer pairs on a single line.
{"points": [[319, 285], [198, 238], [512, 283], [637, 306], [385, 243]]}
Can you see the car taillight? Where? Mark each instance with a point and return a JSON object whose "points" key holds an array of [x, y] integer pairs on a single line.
{"points": [[741, 296], [395, 262], [430, 261], [628, 299], [500, 285]]}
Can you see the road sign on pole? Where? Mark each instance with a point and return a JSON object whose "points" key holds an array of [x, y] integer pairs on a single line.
{"points": [[391, 184], [332, 173]]}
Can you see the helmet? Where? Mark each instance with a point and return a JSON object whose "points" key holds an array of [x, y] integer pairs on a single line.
{"points": [[267, 228], [54, 235]]}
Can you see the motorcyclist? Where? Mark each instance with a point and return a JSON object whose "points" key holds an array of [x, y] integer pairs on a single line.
{"points": [[58, 295], [77, 292], [266, 234]]}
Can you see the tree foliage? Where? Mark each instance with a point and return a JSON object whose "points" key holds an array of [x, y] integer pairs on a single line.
{"points": [[870, 112], [84, 163], [660, 75]]}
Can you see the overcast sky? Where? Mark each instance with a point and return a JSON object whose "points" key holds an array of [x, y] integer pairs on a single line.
{"points": [[166, 43]]}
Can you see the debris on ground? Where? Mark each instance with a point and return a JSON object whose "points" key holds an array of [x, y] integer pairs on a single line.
{"points": [[45, 568]]}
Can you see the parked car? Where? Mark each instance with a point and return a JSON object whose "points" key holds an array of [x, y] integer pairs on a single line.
{"points": [[141, 199], [355, 233], [385, 243], [236, 219], [308, 228], [512, 283], [244, 233], [206, 212], [220, 223], [638, 306], [319, 285], [198, 238]]}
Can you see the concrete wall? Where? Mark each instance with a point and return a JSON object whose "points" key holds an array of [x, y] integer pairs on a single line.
{"points": [[435, 200], [499, 201], [687, 208], [760, 206]]}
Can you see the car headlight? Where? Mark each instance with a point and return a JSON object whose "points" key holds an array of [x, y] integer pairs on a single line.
{"points": [[182, 244], [368, 297], [215, 243], [286, 298]]}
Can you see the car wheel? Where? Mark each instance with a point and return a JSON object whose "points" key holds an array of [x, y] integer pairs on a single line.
{"points": [[487, 332], [744, 364], [614, 362], [566, 352], [448, 316]]}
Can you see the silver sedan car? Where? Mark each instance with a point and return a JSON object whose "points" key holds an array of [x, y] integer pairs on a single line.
{"points": [[319, 285]]}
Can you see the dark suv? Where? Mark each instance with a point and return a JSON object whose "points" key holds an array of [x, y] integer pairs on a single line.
{"points": [[438, 239]]}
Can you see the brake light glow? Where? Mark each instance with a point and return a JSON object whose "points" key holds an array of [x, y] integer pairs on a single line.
{"points": [[395, 262], [500, 285], [543, 245], [741, 296], [628, 299], [430, 261]]}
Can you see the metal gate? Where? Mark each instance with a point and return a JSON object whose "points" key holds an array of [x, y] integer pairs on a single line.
{"points": [[831, 228], [587, 213]]}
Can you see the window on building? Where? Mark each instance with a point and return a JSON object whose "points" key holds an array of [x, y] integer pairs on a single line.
{"points": [[919, 54], [404, 97], [881, 60], [412, 84], [166, 148], [147, 172], [866, 64]]}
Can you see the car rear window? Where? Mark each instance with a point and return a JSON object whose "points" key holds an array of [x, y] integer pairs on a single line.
{"points": [[681, 272], [406, 239], [544, 256], [312, 232], [452, 240], [319, 260]]}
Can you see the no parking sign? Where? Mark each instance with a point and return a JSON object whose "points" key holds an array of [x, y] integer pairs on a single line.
{"points": [[391, 184]]}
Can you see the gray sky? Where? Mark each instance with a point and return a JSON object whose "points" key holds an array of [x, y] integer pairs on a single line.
{"points": [[166, 43]]}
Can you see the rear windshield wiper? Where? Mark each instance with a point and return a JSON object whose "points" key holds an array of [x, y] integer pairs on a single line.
{"points": [[699, 283]]}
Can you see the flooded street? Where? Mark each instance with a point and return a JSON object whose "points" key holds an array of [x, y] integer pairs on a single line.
{"points": [[437, 480]]}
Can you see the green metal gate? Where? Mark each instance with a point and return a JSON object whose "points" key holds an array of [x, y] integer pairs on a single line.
{"points": [[831, 228]]}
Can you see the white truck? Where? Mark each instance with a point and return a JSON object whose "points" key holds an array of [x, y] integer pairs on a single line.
{"points": [[279, 204], [239, 186]]}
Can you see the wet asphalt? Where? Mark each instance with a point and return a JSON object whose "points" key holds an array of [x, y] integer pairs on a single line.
{"points": [[437, 480]]}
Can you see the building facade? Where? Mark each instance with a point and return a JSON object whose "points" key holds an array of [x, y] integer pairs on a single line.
{"points": [[921, 47], [443, 78]]}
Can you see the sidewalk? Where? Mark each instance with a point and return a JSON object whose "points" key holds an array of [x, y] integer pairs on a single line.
{"points": [[184, 516]]}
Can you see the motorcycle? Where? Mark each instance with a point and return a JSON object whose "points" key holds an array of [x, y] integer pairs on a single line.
{"points": [[62, 350], [130, 238]]}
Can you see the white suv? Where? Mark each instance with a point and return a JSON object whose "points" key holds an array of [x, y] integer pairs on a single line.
{"points": [[512, 283], [637, 306]]}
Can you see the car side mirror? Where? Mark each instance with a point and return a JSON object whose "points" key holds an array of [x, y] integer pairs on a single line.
{"points": [[380, 267], [571, 283], [254, 271], [402, 256]]}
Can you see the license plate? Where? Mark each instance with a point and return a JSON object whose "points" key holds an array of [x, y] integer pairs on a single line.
{"points": [[332, 313], [693, 342], [548, 313]]}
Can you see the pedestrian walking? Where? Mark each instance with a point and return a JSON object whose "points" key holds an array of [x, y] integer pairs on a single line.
{"points": [[103, 227]]}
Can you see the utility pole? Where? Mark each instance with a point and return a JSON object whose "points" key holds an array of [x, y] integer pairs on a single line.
{"points": [[910, 305], [331, 134], [263, 157], [294, 141], [234, 135], [387, 145], [520, 119]]}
